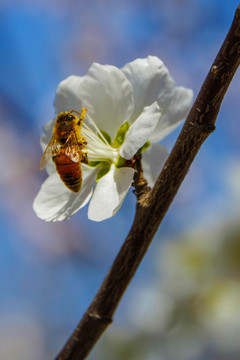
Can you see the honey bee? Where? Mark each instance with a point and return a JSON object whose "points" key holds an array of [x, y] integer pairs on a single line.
{"points": [[65, 149]]}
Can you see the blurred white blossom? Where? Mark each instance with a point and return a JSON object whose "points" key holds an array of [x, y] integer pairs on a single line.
{"points": [[194, 302]]}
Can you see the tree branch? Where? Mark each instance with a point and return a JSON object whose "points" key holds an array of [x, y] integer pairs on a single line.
{"points": [[153, 205], [139, 182]]}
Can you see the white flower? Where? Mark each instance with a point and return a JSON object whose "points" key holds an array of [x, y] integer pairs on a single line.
{"points": [[125, 109]]}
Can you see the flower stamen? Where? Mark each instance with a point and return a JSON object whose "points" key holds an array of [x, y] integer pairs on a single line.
{"points": [[97, 146]]}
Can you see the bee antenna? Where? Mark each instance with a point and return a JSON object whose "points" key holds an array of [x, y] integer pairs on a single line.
{"points": [[83, 111], [75, 112]]}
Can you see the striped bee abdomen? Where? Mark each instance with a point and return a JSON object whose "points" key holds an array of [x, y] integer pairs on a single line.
{"points": [[69, 171]]}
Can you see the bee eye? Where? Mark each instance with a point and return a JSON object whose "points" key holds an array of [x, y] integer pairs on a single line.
{"points": [[70, 117]]}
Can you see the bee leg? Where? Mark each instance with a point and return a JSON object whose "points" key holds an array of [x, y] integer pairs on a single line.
{"points": [[82, 141], [84, 159], [82, 116]]}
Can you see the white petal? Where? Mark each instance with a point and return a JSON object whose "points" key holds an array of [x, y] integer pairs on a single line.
{"points": [[153, 160], [44, 141], [177, 111], [55, 202], [68, 95], [109, 193], [104, 91], [140, 130], [50, 168], [151, 81]]}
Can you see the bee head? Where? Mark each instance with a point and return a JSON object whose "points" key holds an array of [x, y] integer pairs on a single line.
{"points": [[69, 117], [66, 116]]}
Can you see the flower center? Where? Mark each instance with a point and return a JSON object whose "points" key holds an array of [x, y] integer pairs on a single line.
{"points": [[98, 149]]}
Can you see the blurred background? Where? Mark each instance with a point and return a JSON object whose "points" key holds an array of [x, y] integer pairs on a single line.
{"points": [[184, 302]]}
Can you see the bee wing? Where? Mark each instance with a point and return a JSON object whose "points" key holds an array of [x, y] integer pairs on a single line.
{"points": [[51, 150], [72, 148]]}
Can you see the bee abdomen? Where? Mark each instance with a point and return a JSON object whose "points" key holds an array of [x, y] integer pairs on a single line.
{"points": [[69, 172]]}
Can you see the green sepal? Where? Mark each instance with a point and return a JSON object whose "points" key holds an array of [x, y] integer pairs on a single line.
{"points": [[94, 163], [119, 139], [121, 162], [144, 147], [103, 171], [106, 136]]}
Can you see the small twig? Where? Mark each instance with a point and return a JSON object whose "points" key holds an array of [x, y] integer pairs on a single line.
{"points": [[153, 205], [139, 182]]}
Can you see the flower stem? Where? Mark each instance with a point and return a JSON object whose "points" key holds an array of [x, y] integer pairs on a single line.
{"points": [[153, 205]]}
